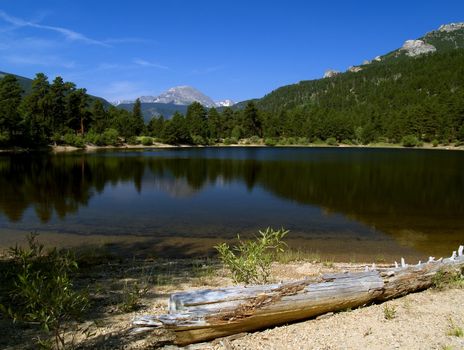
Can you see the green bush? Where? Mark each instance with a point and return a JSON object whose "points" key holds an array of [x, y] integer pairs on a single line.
{"points": [[110, 137], [132, 140], [410, 141], [4, 138], [250, 261], [147, 141], [73, 140], [198, 140], [435, 143], [270, 142], [255, 140], [39, 290], [331, 141], [230, 141], [93, 138], [302, 141]]}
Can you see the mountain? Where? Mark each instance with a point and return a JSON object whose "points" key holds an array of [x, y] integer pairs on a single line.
{"points": [[225, 103], [26, 85], [398, 70], [176, 99]]}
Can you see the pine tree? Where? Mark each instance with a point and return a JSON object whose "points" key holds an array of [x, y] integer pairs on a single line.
{"points": [[10, 99], [36, 108], [251, 123], [137, 116], [99, 117]]}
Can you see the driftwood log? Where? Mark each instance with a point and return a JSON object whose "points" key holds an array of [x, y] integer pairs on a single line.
{"points": [[212, 313]]}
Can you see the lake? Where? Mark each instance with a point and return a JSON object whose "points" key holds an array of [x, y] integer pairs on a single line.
{"points": [[342, 203]]}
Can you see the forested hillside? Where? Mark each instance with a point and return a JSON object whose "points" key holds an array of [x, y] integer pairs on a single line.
{"points": [[423, 96]]}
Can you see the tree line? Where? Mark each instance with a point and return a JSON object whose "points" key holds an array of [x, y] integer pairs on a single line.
{"points": [[417, 100]]}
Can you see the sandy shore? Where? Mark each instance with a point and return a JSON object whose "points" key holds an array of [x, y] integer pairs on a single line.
{"points": [[157, 145], [422, 320]]}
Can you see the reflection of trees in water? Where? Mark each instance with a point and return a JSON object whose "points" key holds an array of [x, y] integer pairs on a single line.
{"points": [[371, 187]]}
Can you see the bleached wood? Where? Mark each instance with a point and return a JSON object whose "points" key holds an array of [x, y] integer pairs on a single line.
{"points": [[202, 315]]}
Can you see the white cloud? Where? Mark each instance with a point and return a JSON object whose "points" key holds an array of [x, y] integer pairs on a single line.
{"points": [[144, 63], [40, 60], [67, 33]]}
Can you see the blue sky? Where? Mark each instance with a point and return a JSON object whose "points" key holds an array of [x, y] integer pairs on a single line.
{"points": [[227, 49]]}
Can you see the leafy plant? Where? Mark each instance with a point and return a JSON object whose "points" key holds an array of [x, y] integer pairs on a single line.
{"points": [[147, 141], [39, 290], [448, 279], [389, 312], [455, 330], [131, 295], [250, 260], [331, 141], [410, 141]]}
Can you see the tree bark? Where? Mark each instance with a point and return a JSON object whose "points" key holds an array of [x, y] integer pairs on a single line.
{"points": [[212, 313]]}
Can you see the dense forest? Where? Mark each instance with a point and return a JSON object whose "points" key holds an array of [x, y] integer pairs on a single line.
{"points": [[409, 100]]}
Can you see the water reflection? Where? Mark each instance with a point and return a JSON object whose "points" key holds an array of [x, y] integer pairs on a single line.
{"points": [[414, 196]]}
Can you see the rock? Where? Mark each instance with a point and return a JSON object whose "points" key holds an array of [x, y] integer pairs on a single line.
{"points": [[354, 69], [330, 73], [451, 27], [417, 47], [378, 59], [366, 62]]}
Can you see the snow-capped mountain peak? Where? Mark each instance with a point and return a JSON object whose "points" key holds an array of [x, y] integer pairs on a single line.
{"points": [[225, 103], [180, 95]]}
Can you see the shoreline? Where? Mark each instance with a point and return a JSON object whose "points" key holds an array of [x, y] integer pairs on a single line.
{"points": [[433, 312], [157, 145]]}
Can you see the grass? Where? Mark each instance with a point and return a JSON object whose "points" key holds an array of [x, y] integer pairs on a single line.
{"points": [[454, 330], [389, 312], [291, 255], [445, 279]]}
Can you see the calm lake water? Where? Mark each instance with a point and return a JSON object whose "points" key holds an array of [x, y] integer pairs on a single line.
{"points": [[340, 202]]}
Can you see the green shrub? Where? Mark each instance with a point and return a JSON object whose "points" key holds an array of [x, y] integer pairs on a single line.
{"points": [[302, 141], [93, 138], [133, 140], [73, 140], [331, 141], [110, 137], [199, 140], [389, 312], [147, 141], [270, 142], [250, 261], [131, 296], [255, 140], [435, 143], [318, 141], [409, 141], [39, 290], [230, 141], [347, 142], [4, 138]]}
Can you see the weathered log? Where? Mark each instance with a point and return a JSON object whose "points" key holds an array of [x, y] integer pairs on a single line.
{"points": [[212, 313]]}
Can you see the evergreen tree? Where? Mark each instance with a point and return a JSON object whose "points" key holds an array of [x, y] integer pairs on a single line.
{"points": [[139, 124], [196, 118], [57, 117], [251, 123], [36, 109], [99, 117], [215, 126], [10, 99], [176, 130]]}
